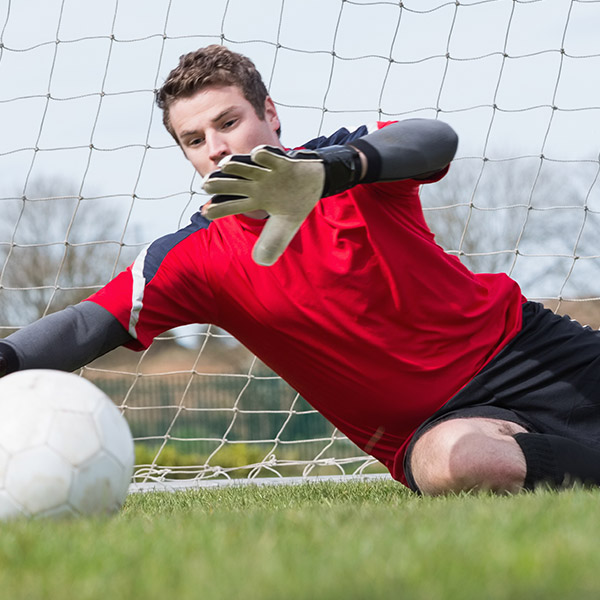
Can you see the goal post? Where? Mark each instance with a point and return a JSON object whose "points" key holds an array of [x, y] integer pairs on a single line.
{"points": [[90, 177]]}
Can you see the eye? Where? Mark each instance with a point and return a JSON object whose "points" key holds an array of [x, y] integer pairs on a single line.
{"points": [[229, 123], [196, 142]]}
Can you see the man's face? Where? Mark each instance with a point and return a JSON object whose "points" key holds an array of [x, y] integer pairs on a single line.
{"points": [[219, 121]]}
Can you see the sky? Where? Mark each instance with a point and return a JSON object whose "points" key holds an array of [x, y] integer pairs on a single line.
{"points": [[77, 81]]}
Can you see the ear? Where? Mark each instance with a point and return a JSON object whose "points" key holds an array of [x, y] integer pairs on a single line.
{"points": [[271, 116]]}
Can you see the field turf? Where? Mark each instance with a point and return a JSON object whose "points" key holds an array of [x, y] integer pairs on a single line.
{"points": [[328, 540]]}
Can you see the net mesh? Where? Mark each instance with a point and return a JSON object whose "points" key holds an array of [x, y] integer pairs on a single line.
{"points": [[89, 177]]}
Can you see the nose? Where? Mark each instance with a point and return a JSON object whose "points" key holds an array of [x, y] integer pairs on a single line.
{"points": [[217, 147]]}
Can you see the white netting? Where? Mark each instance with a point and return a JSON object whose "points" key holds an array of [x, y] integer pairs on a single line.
{"points": [[89, 176]]}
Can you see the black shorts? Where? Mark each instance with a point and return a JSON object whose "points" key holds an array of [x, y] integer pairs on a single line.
{"points": [[546, 379]]}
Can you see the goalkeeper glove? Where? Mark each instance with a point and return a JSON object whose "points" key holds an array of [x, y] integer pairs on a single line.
{"points": [[286, 185]]}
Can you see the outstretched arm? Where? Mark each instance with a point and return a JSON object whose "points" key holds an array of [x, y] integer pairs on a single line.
{"points": [[411, 149], [65, 340], [287, 185]]}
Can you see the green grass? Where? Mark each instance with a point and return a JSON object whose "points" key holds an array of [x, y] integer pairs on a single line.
{"points": [[329, 540]]}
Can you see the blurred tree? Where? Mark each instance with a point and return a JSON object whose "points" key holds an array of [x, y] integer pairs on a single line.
{"points": [[525, 217], [55, 250]]}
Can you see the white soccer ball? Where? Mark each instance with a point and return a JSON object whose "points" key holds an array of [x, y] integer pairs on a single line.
{"points": [[65, 448]]}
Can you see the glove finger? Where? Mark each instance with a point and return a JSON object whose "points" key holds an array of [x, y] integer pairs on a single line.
{"points": [[220, 198], [246, 171], [233, 186], [268, 156], [274, 239], [216, 175], [227, 208], [239, 158]]}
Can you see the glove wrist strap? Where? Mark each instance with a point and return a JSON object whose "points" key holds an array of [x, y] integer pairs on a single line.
{"points": [[343, 168]]}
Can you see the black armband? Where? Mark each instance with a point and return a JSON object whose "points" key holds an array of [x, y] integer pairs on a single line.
{"points": [[373, 173], [9, 361]]}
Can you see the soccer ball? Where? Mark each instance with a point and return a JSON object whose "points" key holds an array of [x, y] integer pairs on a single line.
{"points": [[65, 448]]}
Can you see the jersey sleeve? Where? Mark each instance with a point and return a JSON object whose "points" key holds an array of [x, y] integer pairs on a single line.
{"points": [[165, 287], [434, 176], [348, 135]]}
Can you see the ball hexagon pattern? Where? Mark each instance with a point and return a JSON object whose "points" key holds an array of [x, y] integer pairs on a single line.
{"points": [[37, 479], [83, 440], [65, 448], [99, 485]]}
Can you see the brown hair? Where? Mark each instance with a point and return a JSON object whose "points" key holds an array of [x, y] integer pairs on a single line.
{"points": [[213, 65]]}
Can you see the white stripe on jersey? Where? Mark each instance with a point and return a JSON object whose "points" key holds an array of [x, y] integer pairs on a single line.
{"points": [[137, 294]]}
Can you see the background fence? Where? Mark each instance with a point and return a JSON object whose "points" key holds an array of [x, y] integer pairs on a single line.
{"points": [[217, 421]]}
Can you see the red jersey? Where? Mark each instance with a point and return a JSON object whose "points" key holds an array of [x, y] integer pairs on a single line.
{"points": [[372, 322]]}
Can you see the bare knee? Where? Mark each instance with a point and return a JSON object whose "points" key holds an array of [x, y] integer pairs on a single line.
{"points": [[467, 454]]}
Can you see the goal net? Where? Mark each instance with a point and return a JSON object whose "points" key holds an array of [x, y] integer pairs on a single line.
{"points": [[90, 177]]}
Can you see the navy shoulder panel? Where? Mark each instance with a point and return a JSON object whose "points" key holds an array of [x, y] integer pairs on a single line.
{"points": [[341, 136], [158, 250]]}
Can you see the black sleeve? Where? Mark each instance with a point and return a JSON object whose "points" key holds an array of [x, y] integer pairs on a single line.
{"points": [[65, 340], [411, 149]]}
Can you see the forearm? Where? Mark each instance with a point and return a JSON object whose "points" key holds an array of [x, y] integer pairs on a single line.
{"points": [[406, 150], [411, 149], [65, 340]]}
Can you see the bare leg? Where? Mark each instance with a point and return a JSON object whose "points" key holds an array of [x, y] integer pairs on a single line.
{"points": [[469, 454]]}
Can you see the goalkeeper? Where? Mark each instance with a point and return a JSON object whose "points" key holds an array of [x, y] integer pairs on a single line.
{"points": [[319, 260]]}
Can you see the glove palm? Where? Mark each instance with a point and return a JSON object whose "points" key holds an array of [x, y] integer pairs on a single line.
{"points": [[285, 185]]}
